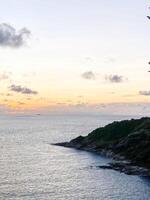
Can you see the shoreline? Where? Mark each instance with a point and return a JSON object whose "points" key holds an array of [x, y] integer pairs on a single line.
{"points": [[119, 163], [127, 142]]}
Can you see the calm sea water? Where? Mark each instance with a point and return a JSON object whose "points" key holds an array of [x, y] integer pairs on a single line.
{"points": [[33, 169]]}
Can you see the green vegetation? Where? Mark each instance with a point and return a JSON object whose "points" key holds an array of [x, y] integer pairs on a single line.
{"points": [[118, 130], [129, 139]]}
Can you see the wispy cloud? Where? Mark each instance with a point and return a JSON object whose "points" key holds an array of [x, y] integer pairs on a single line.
{"points": [[10, 37], [111, 60], [4, 76], [7, 94], [23, 90], [144, 93], [115, 78], [88, 59], [21, 103], [89, 75]]}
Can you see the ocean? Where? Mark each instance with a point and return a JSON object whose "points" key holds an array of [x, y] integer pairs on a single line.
{"points": [[31, 168]]}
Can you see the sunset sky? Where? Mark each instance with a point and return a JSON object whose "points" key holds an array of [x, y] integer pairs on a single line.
{"points": [[74, 55]]}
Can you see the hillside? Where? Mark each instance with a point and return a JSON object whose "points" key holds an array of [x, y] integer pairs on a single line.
{"points": [[128, 139]]}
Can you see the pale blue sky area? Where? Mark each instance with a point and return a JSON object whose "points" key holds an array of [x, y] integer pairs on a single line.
{"points": [[78, 48], [121, 25]]}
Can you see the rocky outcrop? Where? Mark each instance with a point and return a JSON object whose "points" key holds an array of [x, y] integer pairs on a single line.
{"points": [[128, 139], [127, 168]]}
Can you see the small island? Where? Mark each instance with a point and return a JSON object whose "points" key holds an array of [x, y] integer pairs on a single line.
{"points": [[127, 142]]}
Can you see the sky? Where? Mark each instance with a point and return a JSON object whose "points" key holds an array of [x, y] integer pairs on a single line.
{"points": [[74, 55]]}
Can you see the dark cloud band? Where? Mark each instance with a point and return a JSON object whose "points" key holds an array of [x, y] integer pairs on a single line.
{"points": [[23, 90]]}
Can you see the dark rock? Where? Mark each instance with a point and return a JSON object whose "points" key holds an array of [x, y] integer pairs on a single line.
{"points": [[128, 140], [127, 168], [105, 167]]}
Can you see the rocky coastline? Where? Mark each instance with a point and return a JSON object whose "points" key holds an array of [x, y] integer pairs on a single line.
{"points": [[127, 142]]}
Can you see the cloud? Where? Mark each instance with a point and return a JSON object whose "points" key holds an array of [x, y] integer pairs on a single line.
{"points": [[125, 108], [5, 100], [10, 37], [23, 90], [88, 59], [89, 75], [9, 94], [4, 76], [80, 104], [144, 93], [111, 60], [21, 103], [115, 78]]}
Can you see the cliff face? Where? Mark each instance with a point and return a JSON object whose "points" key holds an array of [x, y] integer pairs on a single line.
{"points": [[129, 139]]}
